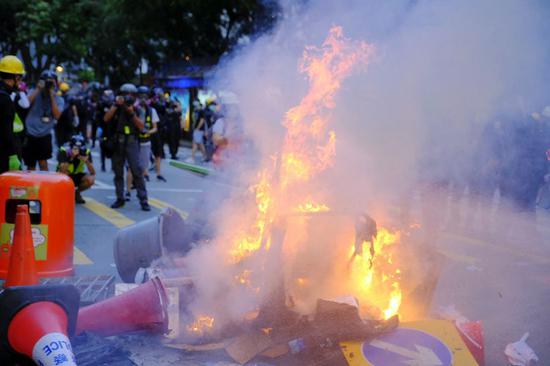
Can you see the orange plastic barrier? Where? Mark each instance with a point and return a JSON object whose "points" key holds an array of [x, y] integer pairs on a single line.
{"points": [[50, 200]]}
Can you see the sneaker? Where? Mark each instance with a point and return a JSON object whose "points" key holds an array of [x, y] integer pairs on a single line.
{"points": [[145, 206], [118, 204], [146, 178], [161, 178], [78, 198], [174, 157], [127, 196]]}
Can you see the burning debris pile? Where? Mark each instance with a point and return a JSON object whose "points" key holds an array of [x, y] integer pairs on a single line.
{"points": [[289, 238], [290, 278]]}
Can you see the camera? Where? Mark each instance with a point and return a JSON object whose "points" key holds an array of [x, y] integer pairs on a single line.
{"points": [[82, 151], [129, 100]]}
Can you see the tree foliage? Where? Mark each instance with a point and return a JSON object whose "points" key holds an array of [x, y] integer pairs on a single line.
{"points": [[114, 36]]}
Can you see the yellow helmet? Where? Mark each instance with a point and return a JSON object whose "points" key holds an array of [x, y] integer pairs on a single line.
{"points": [[64, 87], [11, 65]]}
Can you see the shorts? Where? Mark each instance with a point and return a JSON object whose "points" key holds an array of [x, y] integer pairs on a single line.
{"points": [[144, 155], [77, 178], [37, 149], [156, 145], [198, 137]]}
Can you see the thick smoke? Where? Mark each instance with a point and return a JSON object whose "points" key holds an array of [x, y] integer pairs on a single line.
{"points": [[442, 70]]}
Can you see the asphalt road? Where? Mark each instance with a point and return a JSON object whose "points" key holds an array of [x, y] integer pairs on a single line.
{"points": [[500, 278]]}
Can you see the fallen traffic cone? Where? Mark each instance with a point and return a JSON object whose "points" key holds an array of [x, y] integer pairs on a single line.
{"points": [[471, 333], [22, 268], [36, 321], [39, 331], [144, 308]]}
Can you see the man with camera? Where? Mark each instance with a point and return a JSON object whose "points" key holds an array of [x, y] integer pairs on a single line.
{"points": [[11, 73], [126, 125], [46, 107], [75, 160]]}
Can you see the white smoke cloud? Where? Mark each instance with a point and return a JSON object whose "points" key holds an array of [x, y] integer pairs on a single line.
{"points": [[441, 71]]}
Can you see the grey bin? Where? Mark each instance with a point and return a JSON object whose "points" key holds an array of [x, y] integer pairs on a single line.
{"points": [[139, 244]]}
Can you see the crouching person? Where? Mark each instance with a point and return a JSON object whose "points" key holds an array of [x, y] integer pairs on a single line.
{"points": [[75, 160]]}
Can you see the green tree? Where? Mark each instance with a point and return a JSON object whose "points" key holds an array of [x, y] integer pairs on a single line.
{"points": [[114, 36]]}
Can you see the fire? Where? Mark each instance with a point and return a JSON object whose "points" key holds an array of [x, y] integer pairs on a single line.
{"points": [[201, 325], [312, 207], [248, 243], [309, 148], [376, 274]]}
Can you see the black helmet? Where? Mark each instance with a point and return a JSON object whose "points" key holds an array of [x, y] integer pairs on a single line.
{"points": [[143, 90], [77, 140], [128, 88], [158, 91]]}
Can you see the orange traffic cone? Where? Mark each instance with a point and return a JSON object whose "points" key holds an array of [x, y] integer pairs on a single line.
{"points": [[39, 331], [142, 308], [22, 268]]}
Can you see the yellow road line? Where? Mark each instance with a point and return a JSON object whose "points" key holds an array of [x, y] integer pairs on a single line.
{"points": [[514, 252], [162, 205], [458, 257], [107, 213], [80, 258]]}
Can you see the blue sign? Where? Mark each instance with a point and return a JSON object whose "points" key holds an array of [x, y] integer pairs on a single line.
{"points": [[407, 347]]}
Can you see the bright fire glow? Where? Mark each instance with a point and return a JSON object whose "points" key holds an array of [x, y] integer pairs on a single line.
{"points": [[201, 325], [312, 207], [377, 276], [309, 148]]}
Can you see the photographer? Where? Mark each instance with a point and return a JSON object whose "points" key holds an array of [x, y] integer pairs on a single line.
{"points": [[45, 108], [150, 117], [126, 125], [69, 120], [74, 159]]}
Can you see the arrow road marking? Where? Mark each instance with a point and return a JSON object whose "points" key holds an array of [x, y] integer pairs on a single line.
{"points": [[421, 357]]}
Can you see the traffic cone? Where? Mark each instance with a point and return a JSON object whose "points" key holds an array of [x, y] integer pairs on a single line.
{"points": [[39, 331], [144, 308], [22, 268], [471, 333]]}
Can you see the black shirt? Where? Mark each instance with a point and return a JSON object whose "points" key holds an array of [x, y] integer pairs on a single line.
{"points": [[7, 114]]}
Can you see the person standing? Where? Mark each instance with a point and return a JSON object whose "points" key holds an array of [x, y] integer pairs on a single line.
{"points": [[150, 119], [45, 109], [199, 127], [22, 106], [173, 126], [126, 125], [11, 72]]}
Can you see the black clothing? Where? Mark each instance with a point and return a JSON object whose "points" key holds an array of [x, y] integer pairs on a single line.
{"points": [[7, 140]]}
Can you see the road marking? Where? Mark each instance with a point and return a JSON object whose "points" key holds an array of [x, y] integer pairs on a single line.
{"points": [[459, 257], [107, 213], [154, 189], [421, 356], [161, 205], [482, 243], [80, 258], [101, 185]]}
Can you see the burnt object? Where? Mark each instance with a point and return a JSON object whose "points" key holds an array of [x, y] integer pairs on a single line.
{"points": [[93, 350]]}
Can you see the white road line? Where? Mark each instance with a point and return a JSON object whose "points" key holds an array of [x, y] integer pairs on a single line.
{"points": [[101, 185]]}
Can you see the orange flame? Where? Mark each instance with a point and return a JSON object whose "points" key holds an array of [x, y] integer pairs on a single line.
{"points": [[376, 274], [201, 325], [308, 149], [312, 207]]}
